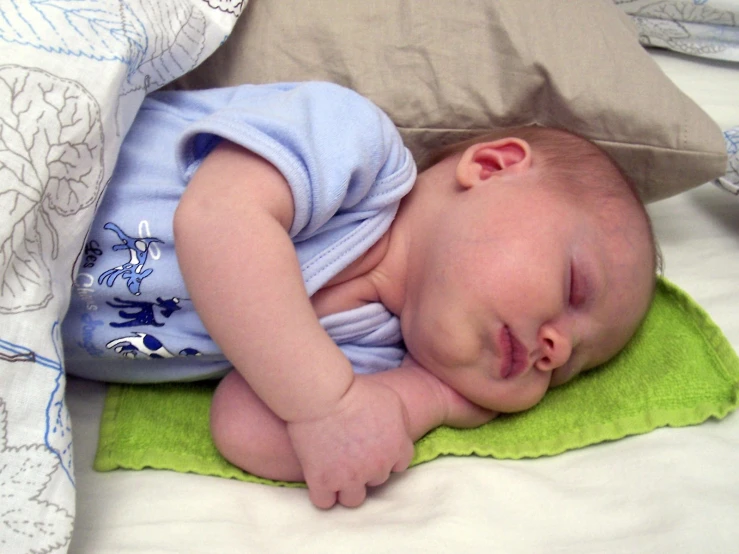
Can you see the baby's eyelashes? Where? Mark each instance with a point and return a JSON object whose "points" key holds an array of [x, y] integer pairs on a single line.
{"points": [[578, 288]]}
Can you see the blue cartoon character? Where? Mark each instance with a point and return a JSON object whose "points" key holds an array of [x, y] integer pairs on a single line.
{"points": [[144, 311], [133, 271], [143, 345]]}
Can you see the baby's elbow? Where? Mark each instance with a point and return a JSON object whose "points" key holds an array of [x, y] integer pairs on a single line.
{"points": [[249, 435], [191, 219], [184, 216], [179, 222]]}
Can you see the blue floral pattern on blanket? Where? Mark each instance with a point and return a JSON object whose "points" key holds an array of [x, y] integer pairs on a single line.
{"points": [[73, 74], [707, 28], [730, 181]]}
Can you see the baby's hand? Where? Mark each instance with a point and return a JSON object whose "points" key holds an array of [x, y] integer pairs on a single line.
{"points": [[356, 445]]}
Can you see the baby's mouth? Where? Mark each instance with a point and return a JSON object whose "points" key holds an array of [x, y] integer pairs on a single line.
{"points": [[514, 356]]}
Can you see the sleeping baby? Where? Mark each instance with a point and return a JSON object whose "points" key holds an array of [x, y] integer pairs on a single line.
{"points": [[277, 237]]}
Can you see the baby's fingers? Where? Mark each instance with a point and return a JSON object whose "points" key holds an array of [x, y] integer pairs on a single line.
{"points": [[350, 496], [322, 498], [353, 497], [405, 458]]}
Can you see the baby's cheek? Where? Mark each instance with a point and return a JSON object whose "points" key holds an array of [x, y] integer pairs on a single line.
{"points": [[450, 345], [562, 375]]}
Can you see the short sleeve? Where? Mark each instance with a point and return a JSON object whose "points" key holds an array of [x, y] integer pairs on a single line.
{"points": [[337, 150]]}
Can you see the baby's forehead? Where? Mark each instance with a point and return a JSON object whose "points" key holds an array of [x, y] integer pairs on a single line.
{"points": [[631, 254]]}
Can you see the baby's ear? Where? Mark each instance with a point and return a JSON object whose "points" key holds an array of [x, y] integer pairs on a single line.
{"points": [[484, 160]]}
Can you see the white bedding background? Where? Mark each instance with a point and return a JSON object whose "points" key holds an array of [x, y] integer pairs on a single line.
{"points": [[670, 491], [72, 76], [707, 28]]}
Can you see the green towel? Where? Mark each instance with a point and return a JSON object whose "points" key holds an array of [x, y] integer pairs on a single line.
{"points": [[678, 370]]}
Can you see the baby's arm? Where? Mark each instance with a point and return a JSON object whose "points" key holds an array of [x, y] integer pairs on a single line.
{"points": [[430, 402], [252, 437], [243, 276]]}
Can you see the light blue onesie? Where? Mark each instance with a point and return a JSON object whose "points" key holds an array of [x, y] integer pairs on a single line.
{"points": [[130, 318]]}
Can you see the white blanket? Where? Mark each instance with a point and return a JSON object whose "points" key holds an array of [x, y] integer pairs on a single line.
{"points": [[72, 75], [708, 28]]}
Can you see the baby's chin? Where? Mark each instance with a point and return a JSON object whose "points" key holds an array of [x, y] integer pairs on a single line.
{"points": [[506, 404]]}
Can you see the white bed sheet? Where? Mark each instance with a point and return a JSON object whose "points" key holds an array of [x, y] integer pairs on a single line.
{"points": [[672, 490]]}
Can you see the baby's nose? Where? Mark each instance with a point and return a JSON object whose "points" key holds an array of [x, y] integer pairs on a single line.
{"points": [[555, 348]]}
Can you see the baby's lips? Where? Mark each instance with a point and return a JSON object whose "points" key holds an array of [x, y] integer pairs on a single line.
{"points": [[514, 355]]}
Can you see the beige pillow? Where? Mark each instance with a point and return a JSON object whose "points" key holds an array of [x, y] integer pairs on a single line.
{"points": [[445, 71]]}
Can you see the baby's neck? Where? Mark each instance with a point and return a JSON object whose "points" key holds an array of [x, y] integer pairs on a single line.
{"points": [[354, 286]]}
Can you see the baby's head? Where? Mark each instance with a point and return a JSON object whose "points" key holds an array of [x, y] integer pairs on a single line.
{"points": [[540, 263]]}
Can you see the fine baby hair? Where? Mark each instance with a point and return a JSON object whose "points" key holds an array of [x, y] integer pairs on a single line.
{"points": [[575, 164]]}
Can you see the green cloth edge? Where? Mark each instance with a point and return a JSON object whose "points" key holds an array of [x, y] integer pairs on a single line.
{"points": [[441, 441]]}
